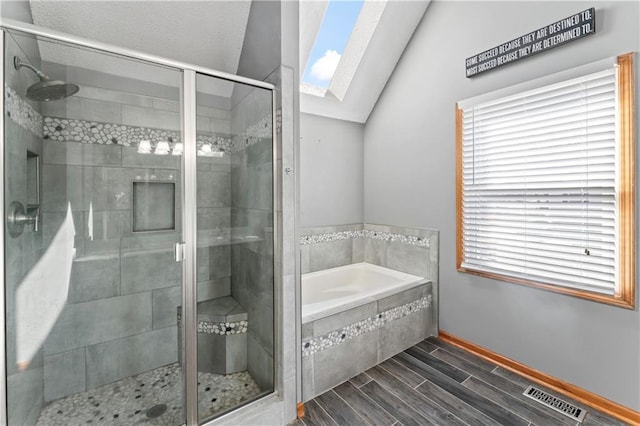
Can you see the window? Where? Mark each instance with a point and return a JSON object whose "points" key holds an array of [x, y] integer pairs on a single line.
{"points": [[333, 35], [545, 186]]}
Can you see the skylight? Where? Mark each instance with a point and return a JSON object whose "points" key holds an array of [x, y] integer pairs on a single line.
{"points": [[337, 26]]}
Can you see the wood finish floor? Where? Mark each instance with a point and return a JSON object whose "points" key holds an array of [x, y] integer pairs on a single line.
{"points": [[434, 383]]}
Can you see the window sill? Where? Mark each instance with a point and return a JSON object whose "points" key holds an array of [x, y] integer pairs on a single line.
{"points": [[626, 301]]}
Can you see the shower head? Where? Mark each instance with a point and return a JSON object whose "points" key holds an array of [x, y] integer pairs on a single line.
{"points": [[46, 89], [51, 90]]}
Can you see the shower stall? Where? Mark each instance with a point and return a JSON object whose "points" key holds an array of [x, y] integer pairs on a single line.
{"points": [[138, 245]]}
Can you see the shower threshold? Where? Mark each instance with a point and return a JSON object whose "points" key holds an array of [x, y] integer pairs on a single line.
{"points": [[152, 398]]}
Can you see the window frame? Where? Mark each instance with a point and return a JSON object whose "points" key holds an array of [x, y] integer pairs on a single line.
{"points": [[625, 294]]}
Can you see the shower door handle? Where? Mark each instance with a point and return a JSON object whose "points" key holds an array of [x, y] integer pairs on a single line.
{"points": [[179, 251]]}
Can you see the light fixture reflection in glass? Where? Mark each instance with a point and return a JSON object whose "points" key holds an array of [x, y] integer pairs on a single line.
{"points": [[178, 148], [205, 151], [162, 148], [144, 147]]}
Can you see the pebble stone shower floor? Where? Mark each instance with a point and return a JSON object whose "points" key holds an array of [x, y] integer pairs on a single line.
{"points": [[151, 398]]}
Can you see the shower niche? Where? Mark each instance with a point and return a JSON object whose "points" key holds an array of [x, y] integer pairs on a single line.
{"points": [[154, 206], [115, 179], [19, 216]]}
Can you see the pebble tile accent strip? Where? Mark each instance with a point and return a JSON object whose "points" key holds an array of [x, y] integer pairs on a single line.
{"points": [[345, 235], [261, 130], [336, 337], [23, 114], [153, 398], [331, 236], [67, 129], [223, 328]]}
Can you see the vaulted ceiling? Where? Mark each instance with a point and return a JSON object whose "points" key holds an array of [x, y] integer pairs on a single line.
{"points": [[211, 33], [205, 33], [367, 62]]}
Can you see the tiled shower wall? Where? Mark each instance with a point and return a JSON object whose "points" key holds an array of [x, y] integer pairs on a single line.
{"points": [[120, 316], [24, 385], [252, 215]]}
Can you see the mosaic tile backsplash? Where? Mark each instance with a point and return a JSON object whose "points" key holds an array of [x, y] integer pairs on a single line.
{"points": [[336, 337], [378, 235]]}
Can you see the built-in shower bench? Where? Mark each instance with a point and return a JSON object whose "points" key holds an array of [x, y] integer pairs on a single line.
{"points": [[222, 335]]}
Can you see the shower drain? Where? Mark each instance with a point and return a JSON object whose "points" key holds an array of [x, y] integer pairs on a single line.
{"points": [[156, 411], [555, 403]]}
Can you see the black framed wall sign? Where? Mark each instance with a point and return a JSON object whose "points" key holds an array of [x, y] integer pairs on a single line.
{"points": [[553, 35]]}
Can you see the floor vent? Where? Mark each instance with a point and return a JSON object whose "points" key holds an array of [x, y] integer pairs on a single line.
{"points": [[554, 403]]}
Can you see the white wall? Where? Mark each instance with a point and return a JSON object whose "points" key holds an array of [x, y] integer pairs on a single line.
{"points": [[331, 171], [261, 48], [16, 9], [410, 181]]}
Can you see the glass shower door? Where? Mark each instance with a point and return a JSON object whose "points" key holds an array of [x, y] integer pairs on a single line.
{"points": [[235, 245], [121, 305], [92, 190]]}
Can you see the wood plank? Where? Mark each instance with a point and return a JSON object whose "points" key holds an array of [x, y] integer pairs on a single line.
{"points": [[316, 416], [421, 387], [360, 379], [503, 384], [426, 346], [339, 410], [443, 367], [394, 405], [461, 353], [455, 405], [513, 377], [594, 414], [511, 403], [599, 403], [418, 401], [480, 403], [403, 373], [363, 405], [460, 363], [590, 421]]}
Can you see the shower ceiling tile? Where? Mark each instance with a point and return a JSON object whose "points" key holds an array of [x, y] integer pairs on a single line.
{"points": [[205, 33]]}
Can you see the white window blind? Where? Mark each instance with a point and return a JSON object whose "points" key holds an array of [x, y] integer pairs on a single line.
{"points": [[539, 184]]}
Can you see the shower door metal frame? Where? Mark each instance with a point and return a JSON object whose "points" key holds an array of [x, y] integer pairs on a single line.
{"points": [[3, 334], [188, 204], [189, 234]]}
